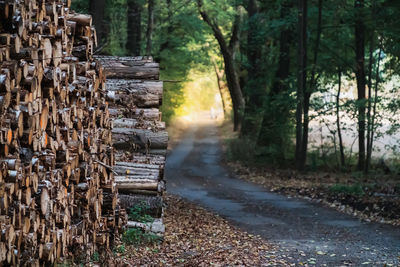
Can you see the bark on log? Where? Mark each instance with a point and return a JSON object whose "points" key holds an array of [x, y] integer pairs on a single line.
{"points": [[137, 184], [117, 68], [143, 94], [137, 171], [125, 138], [137, 113], [126, 156], [139, 124]]}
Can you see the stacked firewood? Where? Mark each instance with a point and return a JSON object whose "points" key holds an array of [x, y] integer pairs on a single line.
{"points": [[139, 137], [57, 188]]}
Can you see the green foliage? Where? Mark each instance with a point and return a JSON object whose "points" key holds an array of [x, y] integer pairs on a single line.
{"points": [[355, 189], [181, 45], [137, 236], [241, 150], [81, 6], [120, 249], [186, 49], [116, 14], [96, 256], [139, 213]]}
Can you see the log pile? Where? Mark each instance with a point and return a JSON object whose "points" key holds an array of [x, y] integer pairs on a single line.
{"points": [[139, 137], [57, 189]]}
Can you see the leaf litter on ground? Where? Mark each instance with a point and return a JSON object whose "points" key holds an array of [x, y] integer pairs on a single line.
{"points": [[197, 237], [379, 201]]}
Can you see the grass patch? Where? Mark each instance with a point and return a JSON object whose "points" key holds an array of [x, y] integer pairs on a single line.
{"points": [[137, 236], [355, 189], [139, 213], [96, 257], [240, 149]]}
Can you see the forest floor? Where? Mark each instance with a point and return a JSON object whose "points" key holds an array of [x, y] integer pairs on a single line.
{"points": [[197, 237], [375, 197], [369, 200], [305, 232], [244, 223]]}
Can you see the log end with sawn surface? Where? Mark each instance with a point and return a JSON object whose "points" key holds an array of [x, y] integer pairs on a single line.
{"points": [[58, 194]]}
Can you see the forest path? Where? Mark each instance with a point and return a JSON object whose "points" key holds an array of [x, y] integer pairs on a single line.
{"points": [[306, 232]]}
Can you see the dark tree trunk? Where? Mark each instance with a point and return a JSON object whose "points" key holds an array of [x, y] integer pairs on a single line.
{"points": [[166, 43], [220, 76], [134, 27], [254, 84], [371, 140], [276, 114], [234, 88], [342, 158], [227, 52], [150, 25], [360, 75], [96, 9], [284, 53], [311, 88], [302, 81], [369, 108]]}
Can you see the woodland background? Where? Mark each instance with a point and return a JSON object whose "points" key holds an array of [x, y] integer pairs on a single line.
{"points": [[308, 84]]}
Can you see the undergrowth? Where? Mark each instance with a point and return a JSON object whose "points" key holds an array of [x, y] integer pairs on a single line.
{"points": [[139, 213], [355, 189], [136, 236]]}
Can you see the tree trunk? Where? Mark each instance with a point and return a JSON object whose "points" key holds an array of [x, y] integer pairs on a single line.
{"points": [[302, 82], [342, 158], [220, 76], [251, 124], [150, 25], [166, 43], [360, 75], [371, 140], [134, 27], [369, 108], [96, 9], [234, 86], [227, 52], [311, 89], [277, 112]]}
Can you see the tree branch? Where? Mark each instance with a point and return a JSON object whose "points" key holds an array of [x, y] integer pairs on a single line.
{"points": [[215, 28], [234, 42]]}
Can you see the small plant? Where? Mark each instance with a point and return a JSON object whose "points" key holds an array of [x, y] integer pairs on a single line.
{"points": [[96, 257], [136, 236], [63, 264], [355, 189], [119, 249], [139, 214]]}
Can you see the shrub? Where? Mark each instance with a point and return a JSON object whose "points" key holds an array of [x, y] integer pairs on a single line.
{"points": [[139, 213], [355, 189], [137, 236]]}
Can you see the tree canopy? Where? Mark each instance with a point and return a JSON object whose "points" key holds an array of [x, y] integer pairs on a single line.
{"points": [[285, 66]]}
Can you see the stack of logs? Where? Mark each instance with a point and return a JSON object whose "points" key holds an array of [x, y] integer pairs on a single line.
{"points": [[139, 137], [57, 188]]}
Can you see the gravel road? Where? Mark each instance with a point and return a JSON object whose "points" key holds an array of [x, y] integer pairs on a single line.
{"points": [[306, 232]]}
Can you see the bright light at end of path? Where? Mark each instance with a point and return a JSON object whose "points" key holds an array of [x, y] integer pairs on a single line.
{"points": [[202, 98]]}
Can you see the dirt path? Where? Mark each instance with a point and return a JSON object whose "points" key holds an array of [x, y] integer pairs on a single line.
{"points": [[308, 234]]}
